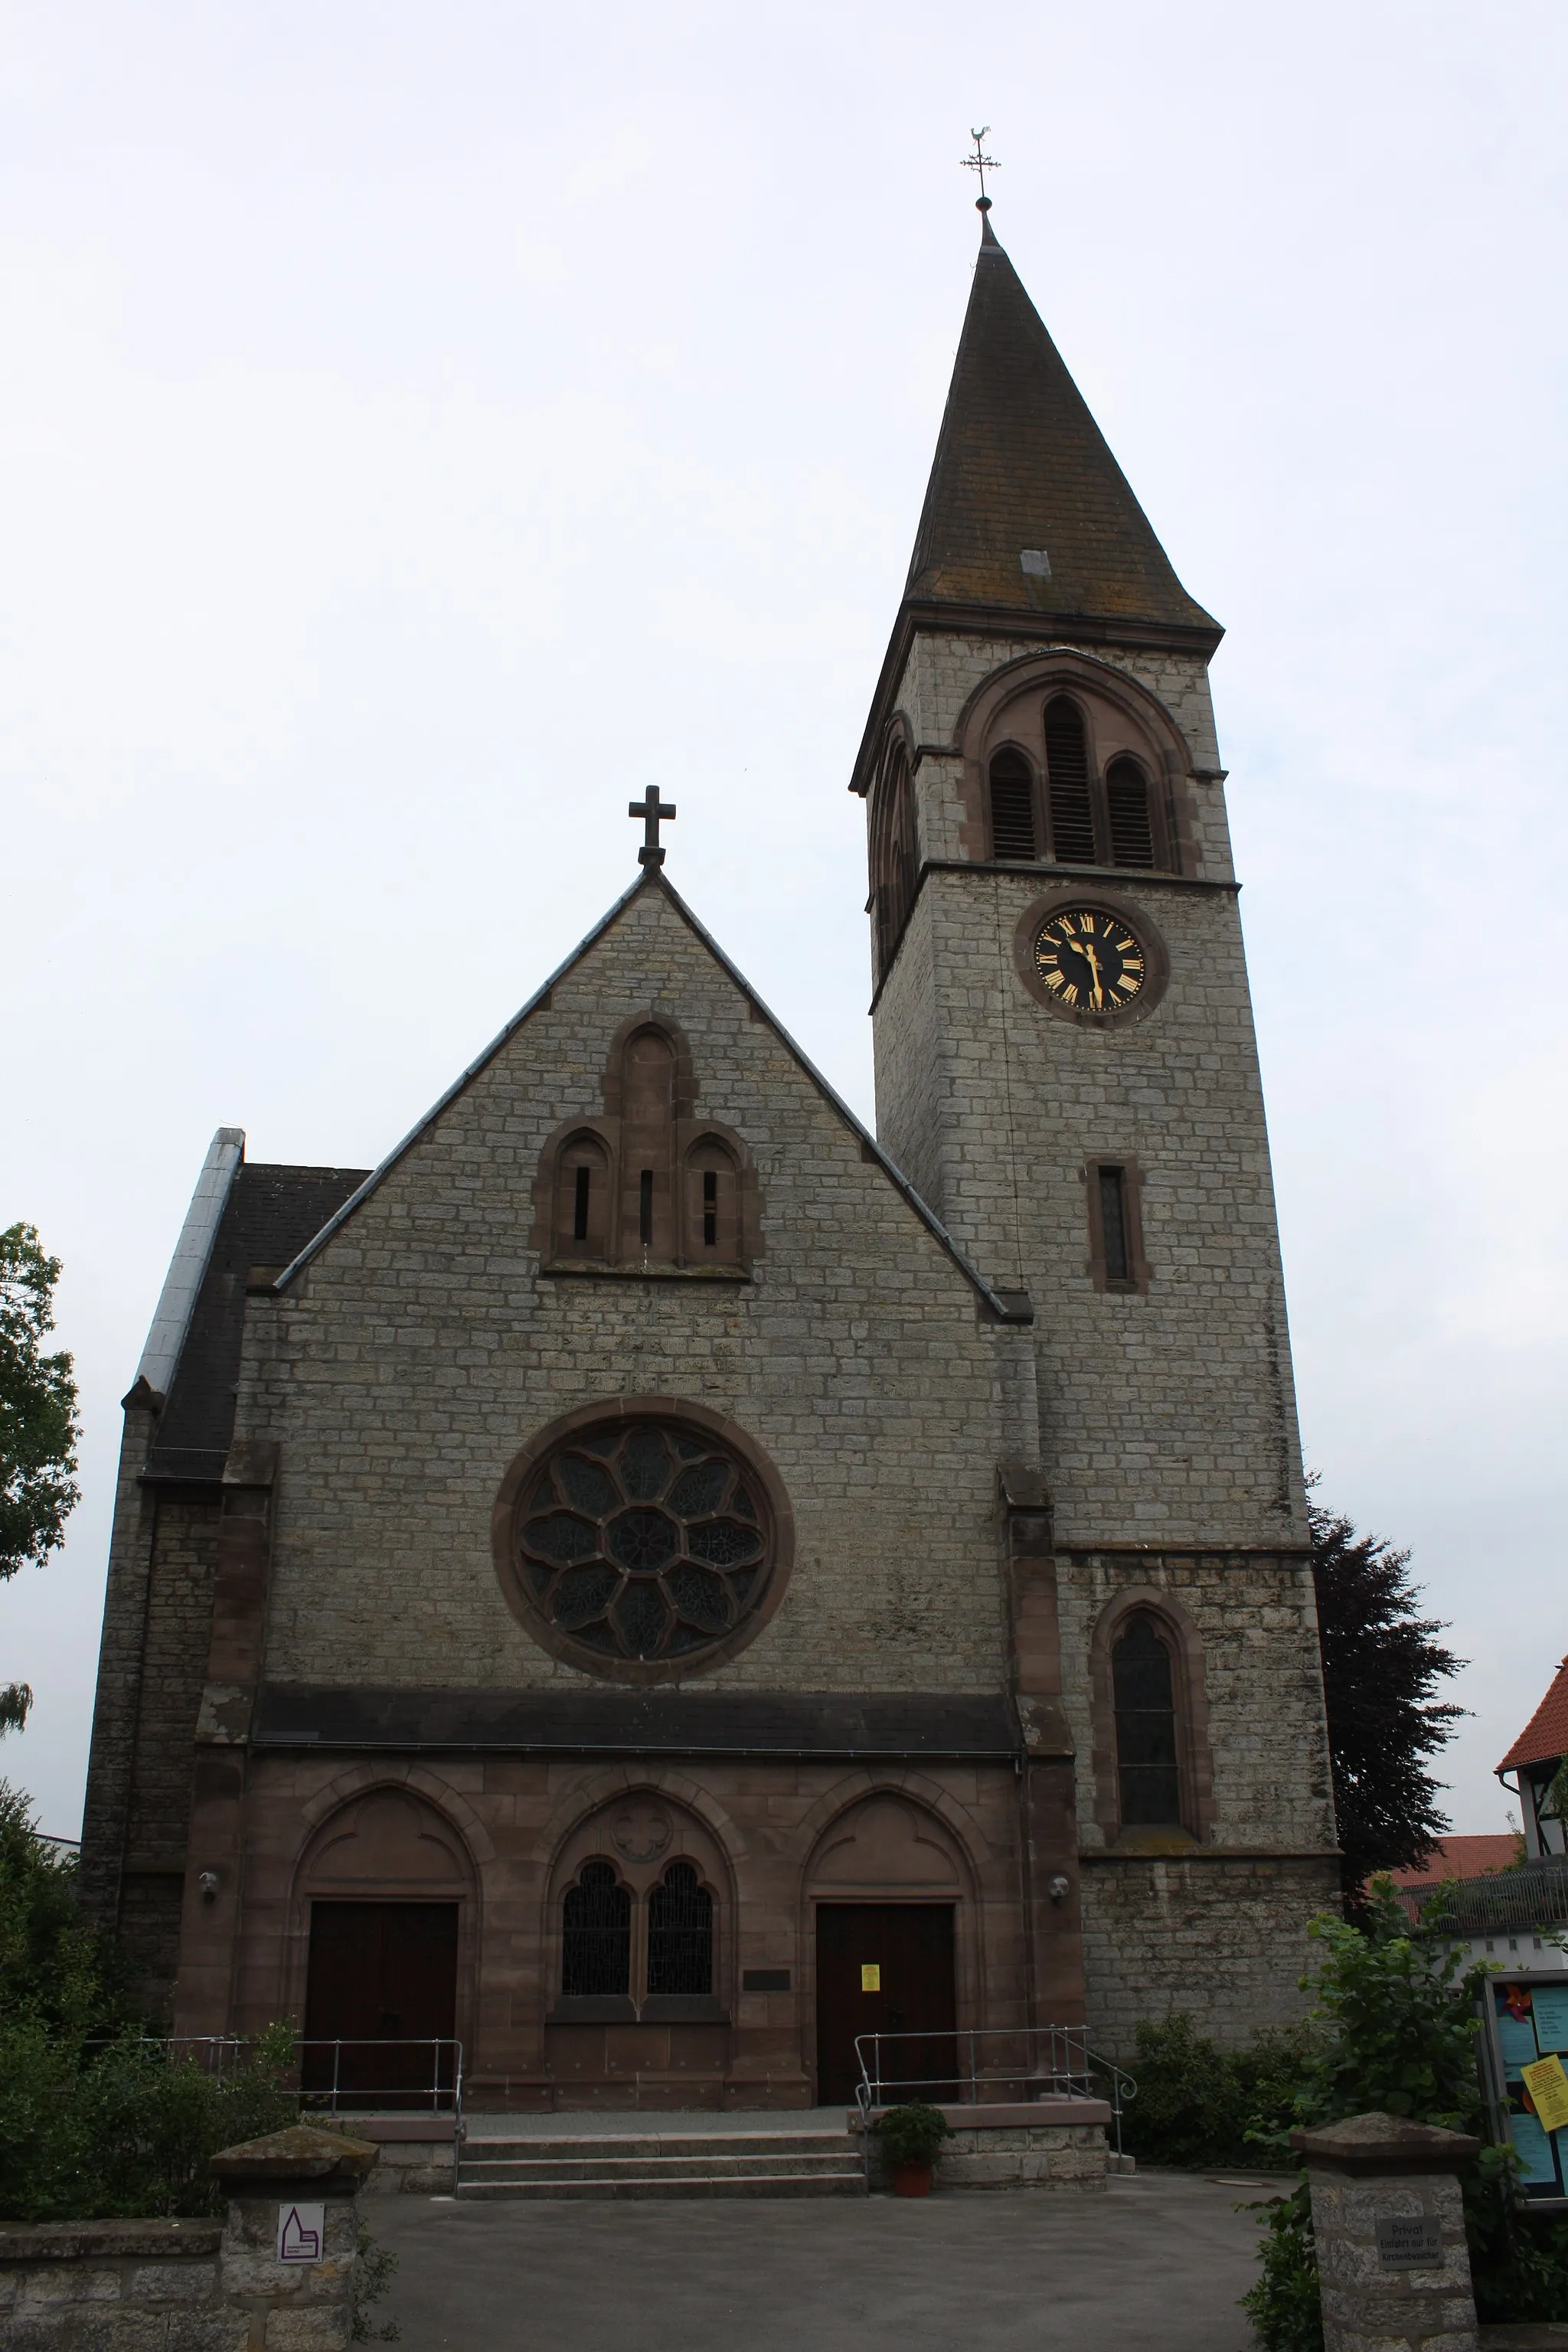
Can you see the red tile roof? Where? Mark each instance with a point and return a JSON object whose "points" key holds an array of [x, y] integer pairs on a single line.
{"points": [[1461, 1857], [1545, 1736]]}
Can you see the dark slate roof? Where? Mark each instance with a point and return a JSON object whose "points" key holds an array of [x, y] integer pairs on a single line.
{"points": [[1020, 463], [270, 1214], [641, 1722]]}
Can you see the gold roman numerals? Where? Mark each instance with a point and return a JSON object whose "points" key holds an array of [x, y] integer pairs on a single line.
{"points": [[1089, 960]]}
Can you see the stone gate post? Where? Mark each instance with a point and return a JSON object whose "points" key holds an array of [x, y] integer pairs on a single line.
{"points": [[1390, 2229], [291, 2242]]}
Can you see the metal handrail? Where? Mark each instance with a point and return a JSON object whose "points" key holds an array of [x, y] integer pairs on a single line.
{"points": [[1059, 2064]]}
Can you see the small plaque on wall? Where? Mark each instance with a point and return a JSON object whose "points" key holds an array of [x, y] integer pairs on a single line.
{"points": [[765, 1980], [1410, 2241]]}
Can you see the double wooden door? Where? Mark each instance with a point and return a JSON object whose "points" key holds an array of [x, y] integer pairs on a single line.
{"points": [[383, 1982], [886, 1968]]}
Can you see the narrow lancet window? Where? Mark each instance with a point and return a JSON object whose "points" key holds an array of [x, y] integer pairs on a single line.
{"points": [[1147, 1774], [1012, 807], [645, 1207], [1067, 763], [580, 1206], [1131, 828], [1113, 1225], [710, 1208]]}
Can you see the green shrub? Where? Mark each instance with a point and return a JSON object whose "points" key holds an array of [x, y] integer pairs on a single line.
{"points": [[913, 2133], [1394, 2027], [1198, 2105], [91, 2133]]}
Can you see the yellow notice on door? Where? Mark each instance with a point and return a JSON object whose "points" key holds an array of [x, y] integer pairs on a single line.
{"points": [[871, 1981], [1548, 2087]]}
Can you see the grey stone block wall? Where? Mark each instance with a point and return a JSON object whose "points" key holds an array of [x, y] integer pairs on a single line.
{"points": [[1222, 1939], [403, 1371]]}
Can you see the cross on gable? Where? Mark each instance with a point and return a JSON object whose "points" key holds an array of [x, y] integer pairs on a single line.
{"points": [[652, 811]]}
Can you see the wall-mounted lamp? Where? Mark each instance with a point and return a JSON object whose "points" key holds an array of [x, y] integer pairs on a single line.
{"points": [[1058, 1887], [208, 1882]]}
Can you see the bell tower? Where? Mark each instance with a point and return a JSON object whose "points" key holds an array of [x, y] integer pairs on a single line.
{"points": [[1066, 1068]]}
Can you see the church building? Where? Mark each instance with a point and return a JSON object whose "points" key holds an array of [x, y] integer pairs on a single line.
{"points": [[654, 1582]]}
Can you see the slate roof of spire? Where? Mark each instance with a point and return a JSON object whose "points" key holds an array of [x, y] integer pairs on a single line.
{"points": [[1021, 464]]}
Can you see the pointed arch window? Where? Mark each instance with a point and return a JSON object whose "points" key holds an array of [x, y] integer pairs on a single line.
{"points": [[1067, 768], [1126, 808], [894, 854], [1147, 1766], [712, 1203], [596, 1936], [680, 1934], [1013, 833]]}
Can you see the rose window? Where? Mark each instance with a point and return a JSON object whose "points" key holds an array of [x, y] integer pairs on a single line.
{"points": [[643, 1541]]}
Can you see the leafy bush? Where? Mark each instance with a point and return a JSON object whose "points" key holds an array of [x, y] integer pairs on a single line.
{"points": [[88, 2134], [1198, 2105], [1394, 2029], [94, 2120], [913, 2133]]}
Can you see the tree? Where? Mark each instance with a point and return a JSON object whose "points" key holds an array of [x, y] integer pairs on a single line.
{"points": [[1381, 1667], [38, 1424]]}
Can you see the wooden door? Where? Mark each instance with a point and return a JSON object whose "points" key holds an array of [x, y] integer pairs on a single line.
{"points": [[907, 1949], [383, 1978]]}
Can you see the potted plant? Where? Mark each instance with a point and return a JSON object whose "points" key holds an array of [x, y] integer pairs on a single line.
{"points": [[911, 2136]]}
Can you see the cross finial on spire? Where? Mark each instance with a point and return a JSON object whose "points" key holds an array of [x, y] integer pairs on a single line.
{"points": [[651, 810], [982, 162]]}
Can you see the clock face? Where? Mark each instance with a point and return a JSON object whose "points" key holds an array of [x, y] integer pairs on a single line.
{"points": [[1089, 961]]}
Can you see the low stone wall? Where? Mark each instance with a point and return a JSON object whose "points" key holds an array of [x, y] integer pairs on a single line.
{"points": [[198, 2287], [113, 2283], [1047, 2144]]}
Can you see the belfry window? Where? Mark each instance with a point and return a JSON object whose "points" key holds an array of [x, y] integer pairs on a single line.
{"points": [[1148, 1777], [596, 1935], [1012, 807], [1127, 804], [1066, 765], [894, 854]]}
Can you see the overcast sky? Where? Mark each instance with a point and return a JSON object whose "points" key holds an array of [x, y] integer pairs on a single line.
{"points": [[423, 425]]}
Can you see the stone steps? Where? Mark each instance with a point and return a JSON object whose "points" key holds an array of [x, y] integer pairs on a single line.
{"points": [[624, 2165]]}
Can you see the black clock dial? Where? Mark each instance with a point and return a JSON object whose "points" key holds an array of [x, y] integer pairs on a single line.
{"points": [[1089, 961]]}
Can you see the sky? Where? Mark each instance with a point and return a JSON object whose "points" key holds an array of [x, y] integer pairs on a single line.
{"points": [[424, 426]]}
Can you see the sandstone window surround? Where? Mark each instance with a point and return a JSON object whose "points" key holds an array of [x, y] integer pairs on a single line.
{"points": [[647, 1187], [1145, 1659], [642, 1538], [1070, 762], [639, 1905], [1113, 1197]]}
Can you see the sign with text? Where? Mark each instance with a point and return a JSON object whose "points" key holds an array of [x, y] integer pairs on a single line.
{"points": [[1410, 2241], [1548, 2087], [301, 2233], [870, 1976]]}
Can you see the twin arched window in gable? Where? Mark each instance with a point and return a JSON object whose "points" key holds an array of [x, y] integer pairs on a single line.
{"points": [[648, 1184], [1050, 802]]}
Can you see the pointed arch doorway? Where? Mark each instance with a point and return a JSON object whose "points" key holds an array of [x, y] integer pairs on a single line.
{"points": [[888, 1885]]}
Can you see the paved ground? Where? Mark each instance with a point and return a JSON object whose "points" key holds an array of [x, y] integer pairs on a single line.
{"points": [[1155, 2264]]}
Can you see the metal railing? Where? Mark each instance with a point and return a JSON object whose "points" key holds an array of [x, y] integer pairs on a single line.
{"points": [[1533, 1898], [985, 2065], [344, 2075]]}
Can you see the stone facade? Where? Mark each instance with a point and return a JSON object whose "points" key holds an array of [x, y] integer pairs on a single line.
{"points": [[979, 1456]]}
